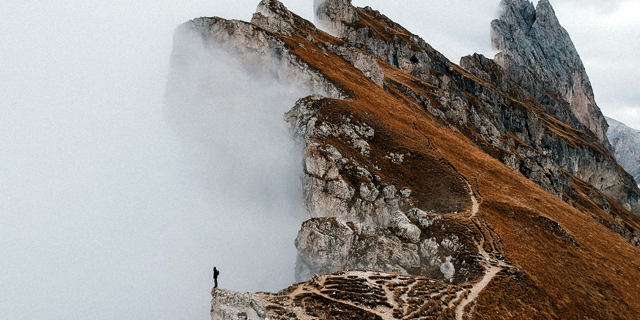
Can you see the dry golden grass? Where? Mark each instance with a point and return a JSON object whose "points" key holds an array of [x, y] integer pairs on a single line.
{"points": [[556, 280]]}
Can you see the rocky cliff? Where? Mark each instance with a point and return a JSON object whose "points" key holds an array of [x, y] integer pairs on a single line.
{"points": [[538, 54], [456, 186], [626, 146]]}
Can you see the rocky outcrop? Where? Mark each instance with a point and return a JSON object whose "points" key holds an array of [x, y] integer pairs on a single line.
{"points": [[327, 192], [360, 221], [538, 54], [334, 14], [274, 17], [353, 295], [376, 34], [626, 146], [231, 305], [253, 45], [329, 244]]}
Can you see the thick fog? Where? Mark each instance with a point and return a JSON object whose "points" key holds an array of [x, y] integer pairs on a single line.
{"points": [[112, 208], [105, 211], [230, 116]]}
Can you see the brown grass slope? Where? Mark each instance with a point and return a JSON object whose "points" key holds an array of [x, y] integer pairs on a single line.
{"points": [[585, 272]]}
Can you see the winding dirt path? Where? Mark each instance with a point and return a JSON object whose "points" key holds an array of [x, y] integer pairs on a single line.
{"points": [[491, 265], [475, 205], [475, 290]]}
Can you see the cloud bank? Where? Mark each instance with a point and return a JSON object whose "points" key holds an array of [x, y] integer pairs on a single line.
{"points": [[105, 213], [231, 117]]}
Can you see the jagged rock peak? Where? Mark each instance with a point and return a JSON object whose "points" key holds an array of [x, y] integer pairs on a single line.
{"points": [[545, 13], [274, 16], [332, 14], [537, 52], [274, 7], [626, 146], [275, 13]]}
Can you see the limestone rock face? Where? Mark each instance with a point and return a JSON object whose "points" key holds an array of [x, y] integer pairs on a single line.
{"points": [[626, 146], [359, 217], [403, 228], [538, 54], [273, 16], [329, 244], [326, 191], [333, 14], [324, 245], [231, 305], [253, 45], [362, 225]]}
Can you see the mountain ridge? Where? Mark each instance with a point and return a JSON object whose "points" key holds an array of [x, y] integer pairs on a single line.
{"points": [[436, 173]]}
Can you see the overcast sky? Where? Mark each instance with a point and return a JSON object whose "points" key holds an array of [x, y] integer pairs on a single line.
{"points": [[100, 217]]}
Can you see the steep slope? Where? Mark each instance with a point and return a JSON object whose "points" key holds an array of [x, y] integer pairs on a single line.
{"points": [[626, 146], [528, 139], [415, 166]]}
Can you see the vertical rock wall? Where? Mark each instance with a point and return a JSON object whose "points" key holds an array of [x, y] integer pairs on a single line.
{"points": [[538, 54]]}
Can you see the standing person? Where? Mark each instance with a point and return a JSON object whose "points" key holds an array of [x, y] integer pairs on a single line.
{"points": [[215, 276]]}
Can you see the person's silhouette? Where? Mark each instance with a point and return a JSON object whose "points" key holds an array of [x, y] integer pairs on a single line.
{"points": [[215, 276]]}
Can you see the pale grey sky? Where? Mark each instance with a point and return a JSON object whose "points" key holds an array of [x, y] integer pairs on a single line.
{"points": [[100, 214]]}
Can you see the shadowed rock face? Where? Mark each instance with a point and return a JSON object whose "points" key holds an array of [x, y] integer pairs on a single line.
{"points": [[538, 54], [626, 146]]}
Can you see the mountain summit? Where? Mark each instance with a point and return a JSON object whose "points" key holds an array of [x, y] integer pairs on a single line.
{"points": [[538, 54], [433, 190]]}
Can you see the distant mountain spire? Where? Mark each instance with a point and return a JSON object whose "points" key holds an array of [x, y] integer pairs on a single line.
{"points": [[537, 52]]}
